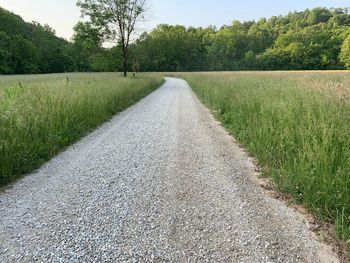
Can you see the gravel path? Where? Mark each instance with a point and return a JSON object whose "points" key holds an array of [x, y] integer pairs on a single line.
{"points": [[161, 182]]}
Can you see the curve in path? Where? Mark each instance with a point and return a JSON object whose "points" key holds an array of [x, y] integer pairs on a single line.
{"points": [[161, 182]]}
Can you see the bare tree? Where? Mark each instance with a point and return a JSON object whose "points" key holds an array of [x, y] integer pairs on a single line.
{"points": [[117, 19]]}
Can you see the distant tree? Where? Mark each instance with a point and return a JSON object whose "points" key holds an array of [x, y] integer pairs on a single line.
{"points": [[249, 61], [345, 53], [136, 66], [86, 33], [4, 53], [107, 60], [227, 47], [117, 19], [87, 44], [30, 47], [319, 15], [260, 36], [10, 23], [50, 49], [23, 57]]}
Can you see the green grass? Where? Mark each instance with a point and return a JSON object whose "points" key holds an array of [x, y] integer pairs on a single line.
{"points": [[298, 127], [42, 114]]}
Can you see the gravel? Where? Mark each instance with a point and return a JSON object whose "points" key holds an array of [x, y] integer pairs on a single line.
{"points": [[160, 182]]}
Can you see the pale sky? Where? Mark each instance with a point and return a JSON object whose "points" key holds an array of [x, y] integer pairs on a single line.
{"points": [[62, 15]]}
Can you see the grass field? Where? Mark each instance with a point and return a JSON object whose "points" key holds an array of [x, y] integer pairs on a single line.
{"points": [[41, 114], [297, 124], [298, 127]]}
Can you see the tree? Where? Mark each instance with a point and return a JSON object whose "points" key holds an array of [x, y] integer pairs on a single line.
{"points": [[4, 53], [86, 33], [23, 58], [345, 53], [50, 49], [87, 45], [30, 47], [117, 19]]}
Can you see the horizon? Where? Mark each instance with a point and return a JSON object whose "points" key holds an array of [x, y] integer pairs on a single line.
{"points": [[219, 14]]}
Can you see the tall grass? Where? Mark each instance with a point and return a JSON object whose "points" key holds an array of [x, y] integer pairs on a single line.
{"points": [[40, 115], [298, 127]]}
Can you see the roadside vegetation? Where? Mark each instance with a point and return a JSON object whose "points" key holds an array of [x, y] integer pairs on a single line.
{"points": [[41, 114], [297, 126]]}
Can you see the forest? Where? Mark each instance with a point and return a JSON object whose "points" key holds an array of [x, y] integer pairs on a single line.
{"points": [[317, 39]]}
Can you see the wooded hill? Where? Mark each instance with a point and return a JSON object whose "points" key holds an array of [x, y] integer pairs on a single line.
{"points": [[30, 47], [33, 48], [312, 39]]}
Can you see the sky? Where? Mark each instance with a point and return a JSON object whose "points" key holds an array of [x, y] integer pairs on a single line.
{"points": [[62, 15]]}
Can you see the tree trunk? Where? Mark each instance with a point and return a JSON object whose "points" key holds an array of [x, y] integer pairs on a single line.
{"points": [[125, 65]]}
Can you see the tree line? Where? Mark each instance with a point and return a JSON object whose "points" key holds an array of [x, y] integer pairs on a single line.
{"points": [[29, 48], [308, 40]]}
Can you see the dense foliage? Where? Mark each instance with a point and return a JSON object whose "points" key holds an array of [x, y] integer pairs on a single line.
{"points": [[30, 47], [312, 39], [34, 48]]}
